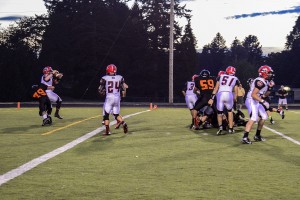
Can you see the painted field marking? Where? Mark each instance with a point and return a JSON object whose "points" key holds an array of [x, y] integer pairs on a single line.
{"points": [[37, 161], [283, 135], [58, 129]]}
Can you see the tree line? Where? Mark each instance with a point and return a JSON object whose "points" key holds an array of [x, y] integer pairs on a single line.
{"points": [[80, 38]]}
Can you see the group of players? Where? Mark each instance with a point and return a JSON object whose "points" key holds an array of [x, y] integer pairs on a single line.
{"points": [[44, 93], [211, 101], [111, 86]]}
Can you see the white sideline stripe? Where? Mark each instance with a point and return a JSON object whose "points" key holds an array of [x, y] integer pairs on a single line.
{"points": [[282, 135], [35, 162]]}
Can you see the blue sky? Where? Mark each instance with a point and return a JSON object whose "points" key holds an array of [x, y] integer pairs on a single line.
{"points": [[270, 20]]}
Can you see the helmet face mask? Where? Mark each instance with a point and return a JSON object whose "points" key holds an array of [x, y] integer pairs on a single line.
{"points": [[204, 73], [266, 72]]}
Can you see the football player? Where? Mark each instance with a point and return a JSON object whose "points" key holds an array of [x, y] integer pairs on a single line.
{"points": [[49, 78], [226, 83], [265, 96], [221, 73], [282, 101], [112, 84], [44, 102], [254, 99], [205, 84], [190, 96]]}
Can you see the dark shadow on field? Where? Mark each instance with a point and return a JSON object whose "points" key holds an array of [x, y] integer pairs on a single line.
{"points": [[18, 129], [26, 129]]}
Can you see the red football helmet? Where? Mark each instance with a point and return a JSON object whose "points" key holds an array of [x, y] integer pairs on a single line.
{"points": [[47, 70], [221, 73], [194, 76], [111, 69], [265, 72], [230, 70]]}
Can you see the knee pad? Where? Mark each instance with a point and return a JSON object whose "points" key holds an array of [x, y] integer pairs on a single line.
{"points": [[106, 116], [220, 112]]}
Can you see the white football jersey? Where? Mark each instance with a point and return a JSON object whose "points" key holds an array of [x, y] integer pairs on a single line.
{"points": [[260, 83], [48, 83], [227, 83], [190, 88], [113, 84]]}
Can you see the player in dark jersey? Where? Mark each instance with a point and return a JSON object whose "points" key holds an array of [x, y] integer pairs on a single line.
{"points": [[282, 93], [205, 84], [45, 107]]}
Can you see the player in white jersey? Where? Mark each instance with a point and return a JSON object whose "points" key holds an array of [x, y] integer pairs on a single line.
{"points": [[256, 105], [190, 96], [112, 84], [48, 79], [226, 84]]}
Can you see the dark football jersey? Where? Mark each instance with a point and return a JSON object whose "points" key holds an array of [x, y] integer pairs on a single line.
{"points": [[205, 84], [282, 93], [39, 91]]}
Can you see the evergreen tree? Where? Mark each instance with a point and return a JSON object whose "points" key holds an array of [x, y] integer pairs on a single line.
{"points": [[214, 55], [20, 45], [253, 49], [186, 59]]}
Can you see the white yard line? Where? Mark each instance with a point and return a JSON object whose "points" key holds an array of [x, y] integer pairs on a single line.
{"points": [[283, 135], [37, 161]]}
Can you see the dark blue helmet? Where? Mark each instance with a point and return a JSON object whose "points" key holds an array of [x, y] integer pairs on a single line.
{"points": [[204, 73]]}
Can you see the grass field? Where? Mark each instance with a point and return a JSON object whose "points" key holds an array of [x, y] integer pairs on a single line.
{"points": [[160, 158]]}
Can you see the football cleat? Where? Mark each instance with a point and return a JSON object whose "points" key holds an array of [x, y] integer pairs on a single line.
{"points": [[58, 116], [207, 125], [106, 133], [219, 132], [272, 121], [246, 140], [231, 130], [258, 138], [196, 123], [125, 127], [46, 121]]}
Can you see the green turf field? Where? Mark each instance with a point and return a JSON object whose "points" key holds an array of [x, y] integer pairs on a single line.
{"points": [[160, 158]]}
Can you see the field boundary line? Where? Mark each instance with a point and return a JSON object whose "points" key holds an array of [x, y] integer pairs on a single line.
{"points": [[283, 135], [72, 124], [4, 178]]}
